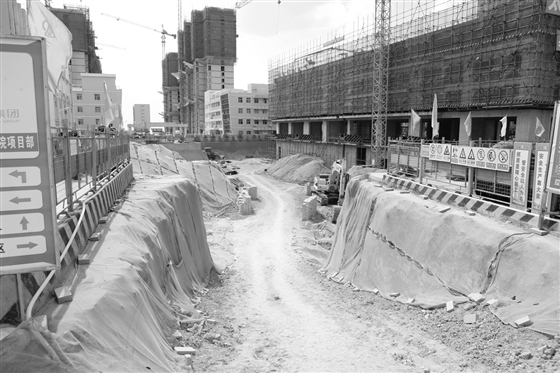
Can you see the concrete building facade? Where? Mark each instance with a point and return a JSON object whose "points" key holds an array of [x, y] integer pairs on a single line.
{"points": [[89, 101], [207, 53], [141, 116], [238, 112]]}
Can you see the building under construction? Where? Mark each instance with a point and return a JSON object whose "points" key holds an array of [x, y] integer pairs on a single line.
{"points": [[491, 58], [84, 59], [207, 50]]}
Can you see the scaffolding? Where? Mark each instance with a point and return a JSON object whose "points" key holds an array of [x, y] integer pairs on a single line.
{"points": [[472, 54]]}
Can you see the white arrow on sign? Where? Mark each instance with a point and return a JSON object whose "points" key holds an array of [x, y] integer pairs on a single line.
{"points": [[22, 223]]}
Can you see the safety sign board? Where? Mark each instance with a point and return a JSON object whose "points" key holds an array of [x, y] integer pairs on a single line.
{"points": [[27, 198], [541, 162], [488, 158], [440, 152], [520, 174]]}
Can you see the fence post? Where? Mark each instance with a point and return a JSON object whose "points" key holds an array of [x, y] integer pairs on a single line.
{"points": [[421, 166], [470, 176], [67, 169], [109, 163], [94, 160]]}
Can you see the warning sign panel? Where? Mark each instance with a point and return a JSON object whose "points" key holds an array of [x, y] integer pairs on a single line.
{"points": [[440, 152], [488, 158]]}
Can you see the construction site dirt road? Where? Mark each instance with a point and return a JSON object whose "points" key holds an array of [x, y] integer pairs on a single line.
{"points": [[275, 312]]}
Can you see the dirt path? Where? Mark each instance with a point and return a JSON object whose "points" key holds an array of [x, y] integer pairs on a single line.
{"points": [[277, 313]]}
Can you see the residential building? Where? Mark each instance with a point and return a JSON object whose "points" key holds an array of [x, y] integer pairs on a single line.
{"points": [[207, 54], [238, 112], [141, 116], [89, 101], [170, 86]]}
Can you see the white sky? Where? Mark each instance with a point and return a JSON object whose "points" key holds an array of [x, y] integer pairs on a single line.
{"points": [[265, 29]]}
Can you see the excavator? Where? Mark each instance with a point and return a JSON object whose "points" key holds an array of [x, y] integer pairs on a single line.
{"points": [[329, 188]]}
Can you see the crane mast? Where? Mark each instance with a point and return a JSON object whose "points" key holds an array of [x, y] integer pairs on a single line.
{"points": [[380, 94]]}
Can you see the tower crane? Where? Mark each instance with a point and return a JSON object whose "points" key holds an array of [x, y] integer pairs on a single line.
{"points": [[162, 31], [380, 94]]}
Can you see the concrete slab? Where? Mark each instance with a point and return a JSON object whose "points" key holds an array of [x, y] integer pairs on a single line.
{"points": [[63, 294], [184, 350], [394, 295], [449, 306], [95, 237], [470, 318], [83, 259], [476, 297], [444, 209], [524, 321]]}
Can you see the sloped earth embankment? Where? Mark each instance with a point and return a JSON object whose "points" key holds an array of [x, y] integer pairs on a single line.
{"points": [[144, 278]]}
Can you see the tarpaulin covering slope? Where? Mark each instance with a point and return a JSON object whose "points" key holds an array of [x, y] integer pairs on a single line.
{"points": [[215, 189], [298, 168], [394, 243], [127, 301]]}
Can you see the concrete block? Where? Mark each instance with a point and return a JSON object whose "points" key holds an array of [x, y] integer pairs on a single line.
{"points": [[394, 295], [188, 359], [245, 205], [252, 190], [424, 197], [181, 350], [42, 321], [388, 189], [378, 185], [540, 232], [471, 318], [309, 208], [476, 297], [211, 321], [444, 209], [83, 259], [308, 189], [95, 237], [470, 212], [524, 321], [410, 300], [405, 191], [375, 291], [104, 220], [63, 294], [449, 306], [491, 302]]}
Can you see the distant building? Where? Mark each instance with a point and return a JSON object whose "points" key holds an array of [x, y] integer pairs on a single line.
{"points": [[84, 58], [170, 86], [207, 53], [89, 101], [141, 116], [238, 112]]}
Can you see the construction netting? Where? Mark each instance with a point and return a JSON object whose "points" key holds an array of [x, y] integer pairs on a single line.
{"points": [[408, 250], [215, 189], [298, 168], [144, 277]]}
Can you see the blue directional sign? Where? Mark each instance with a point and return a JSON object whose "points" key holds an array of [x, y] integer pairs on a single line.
{"points": [[27, 214]]}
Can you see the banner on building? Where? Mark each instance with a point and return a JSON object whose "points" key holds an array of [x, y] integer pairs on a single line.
{"points": [[520, 174], [553, 7], [541, 162], [487, 158]]}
